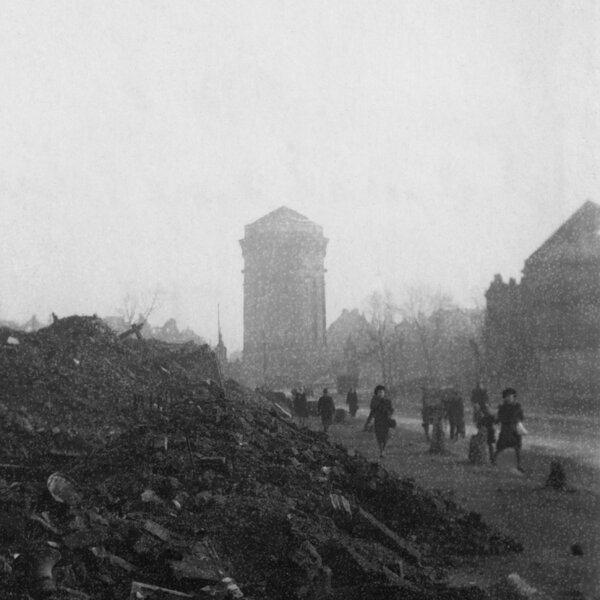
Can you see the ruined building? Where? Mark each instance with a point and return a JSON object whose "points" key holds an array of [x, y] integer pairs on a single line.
{"points": [[284, 299], [545, 330]]}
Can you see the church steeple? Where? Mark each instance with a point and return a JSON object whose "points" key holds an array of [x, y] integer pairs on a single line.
{"points": [[221, 349]]}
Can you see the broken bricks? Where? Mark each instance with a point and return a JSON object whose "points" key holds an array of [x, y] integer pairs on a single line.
{"points": [[340, 504], [117, 561], [94, 536], [145, 591], [63, 489], [200, 563], [157, 530], [383, 534], [313, 579], [42, 563]]}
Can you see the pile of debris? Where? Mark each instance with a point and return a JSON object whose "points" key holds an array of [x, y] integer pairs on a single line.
{"points": [[212, 494], [77, 372]]}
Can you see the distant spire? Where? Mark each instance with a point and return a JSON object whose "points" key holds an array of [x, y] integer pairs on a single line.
{"points": [[220, 348], [219, 324]]}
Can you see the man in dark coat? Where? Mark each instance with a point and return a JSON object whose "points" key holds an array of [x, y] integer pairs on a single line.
{"points": [[381, 413], [479, 397], [326, 408], [352, 401], [510, 415], [455, 410]]}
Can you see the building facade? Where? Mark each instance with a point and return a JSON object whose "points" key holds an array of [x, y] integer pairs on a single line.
{"points": [[545, 330], [284, 299]]}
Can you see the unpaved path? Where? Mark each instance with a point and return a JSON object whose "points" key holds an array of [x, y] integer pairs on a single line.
{"points": [[548, 523]]}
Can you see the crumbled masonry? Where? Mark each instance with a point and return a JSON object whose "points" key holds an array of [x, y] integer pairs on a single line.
{"points": [[127, 471]]}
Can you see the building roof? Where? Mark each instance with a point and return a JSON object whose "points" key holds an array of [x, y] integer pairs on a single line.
{"points": [[283, 219], [577, 238], [281, 214]]}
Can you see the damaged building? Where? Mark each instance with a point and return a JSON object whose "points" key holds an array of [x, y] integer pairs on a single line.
{"points": [[284, 299], [544, 331]]}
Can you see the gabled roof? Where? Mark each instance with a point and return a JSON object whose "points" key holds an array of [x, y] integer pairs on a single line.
{"points": [[578, 235]]}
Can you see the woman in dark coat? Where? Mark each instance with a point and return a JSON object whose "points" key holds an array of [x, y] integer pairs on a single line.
{"points": [[510, 414], [381, 413]]}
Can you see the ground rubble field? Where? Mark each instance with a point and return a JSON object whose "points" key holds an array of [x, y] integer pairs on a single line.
{"points": [[129, 489]]}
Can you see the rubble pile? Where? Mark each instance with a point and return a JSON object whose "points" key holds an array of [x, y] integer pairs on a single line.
{"points": [[77, 372], [214, 494]]}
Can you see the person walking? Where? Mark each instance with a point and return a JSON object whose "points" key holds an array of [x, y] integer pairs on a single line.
{"points": [[381, 413], [301, 406], [326, 408], [510, 417], [352, 401], [485, 427], [455, 410], [479, 396]]}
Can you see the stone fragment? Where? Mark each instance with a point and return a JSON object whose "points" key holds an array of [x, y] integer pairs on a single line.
{"points": [[383, 534], [143, 591]]}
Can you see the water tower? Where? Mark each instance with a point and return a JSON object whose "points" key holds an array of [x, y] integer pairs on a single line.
{"points": [[284, 299]]}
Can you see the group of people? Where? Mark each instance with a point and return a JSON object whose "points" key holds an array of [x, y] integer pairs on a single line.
{"points": [[325, 406], [509, 417]]}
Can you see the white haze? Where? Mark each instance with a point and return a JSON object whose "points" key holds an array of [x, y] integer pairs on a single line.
{"points": [[435, 142]]}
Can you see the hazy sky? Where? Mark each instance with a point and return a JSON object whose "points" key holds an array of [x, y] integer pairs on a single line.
{"points": [[436, 142]]}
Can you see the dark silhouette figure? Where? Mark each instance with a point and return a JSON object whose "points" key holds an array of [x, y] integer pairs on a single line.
{"points": [[300, 402], [455, 410], [381, 414], [479, 398], [326, 408], [510, 416], [352, 401]]}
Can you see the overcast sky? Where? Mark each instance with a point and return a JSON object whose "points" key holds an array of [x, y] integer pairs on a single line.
{"points": [[435, 142]]}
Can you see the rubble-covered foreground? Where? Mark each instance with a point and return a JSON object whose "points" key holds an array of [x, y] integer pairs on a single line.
{"points": [[125, 473]]}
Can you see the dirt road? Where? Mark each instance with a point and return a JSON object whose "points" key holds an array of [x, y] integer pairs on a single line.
{"points": [[548, 523]]}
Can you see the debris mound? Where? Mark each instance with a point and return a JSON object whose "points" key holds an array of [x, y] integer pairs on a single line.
{"points": [[160, 481]]}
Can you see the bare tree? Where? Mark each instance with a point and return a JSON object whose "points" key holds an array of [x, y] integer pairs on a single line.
{"points": [[140, 304], [379, 313], [128, 308], [422, 308], [477, 340]]}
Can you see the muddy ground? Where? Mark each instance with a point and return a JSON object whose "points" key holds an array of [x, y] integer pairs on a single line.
{"points": [[547, 522]]}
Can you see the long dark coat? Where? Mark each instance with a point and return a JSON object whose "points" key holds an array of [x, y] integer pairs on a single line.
{"points": [[381, 409], [508, 417]]}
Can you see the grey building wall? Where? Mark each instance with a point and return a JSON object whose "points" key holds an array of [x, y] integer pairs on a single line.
{"points": [[284, 299]]}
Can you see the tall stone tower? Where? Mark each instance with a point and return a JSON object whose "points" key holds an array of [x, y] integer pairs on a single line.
{"points": [[284, 299]]}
